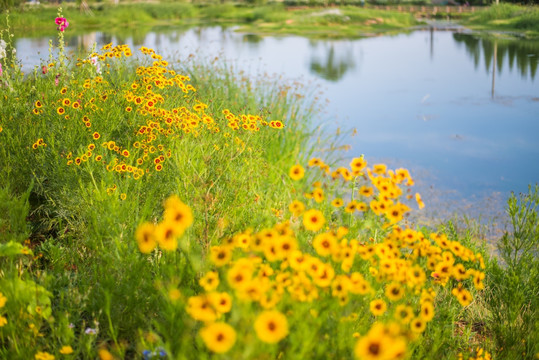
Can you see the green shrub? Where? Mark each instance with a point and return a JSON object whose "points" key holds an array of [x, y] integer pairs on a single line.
{"points": [[513, 282]]}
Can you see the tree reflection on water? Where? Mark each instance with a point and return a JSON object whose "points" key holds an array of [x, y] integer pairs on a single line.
{"points": [[334, 65], [522, 54]]}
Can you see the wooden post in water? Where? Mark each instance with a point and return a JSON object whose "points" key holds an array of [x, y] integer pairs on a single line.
{"points": [[431, 42], [494, 66]]}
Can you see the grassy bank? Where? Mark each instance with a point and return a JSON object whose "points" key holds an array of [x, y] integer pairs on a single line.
{"points": [[316, 22], [506, 17], [275, 19], [156, 211]]}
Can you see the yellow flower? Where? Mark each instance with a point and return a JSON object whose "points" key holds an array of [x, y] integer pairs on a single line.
{"points": [[420, 202], [351, 207], [210, 281], [276, 124], [284, 246], [43, 355], [145, 237], [325, 244], [358, 164], [104, 354], [361, 206], [239, 277], [3, 300], [296, 207], [340, 286], [379, 169], [394, 291], [179, 214], [395, 213], [174, 294], [463, 296], [378, 307], [219, 337], [379, 344], [3, 321], [271, 326], [296, 172], [366, 191], [443, 269], [418, 325], [315, 162], [337, 202], [220, 255], [318, 195], [165, 234], [324, 276], [478, 280], [66, 350], [358, 284], [200, 308], [313, 220], [404, 313], [222, 302], [427, 311]]}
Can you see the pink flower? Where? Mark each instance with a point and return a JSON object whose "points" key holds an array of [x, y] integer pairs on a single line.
{"points": [[44, 69], [62, 23], [1, 71]]}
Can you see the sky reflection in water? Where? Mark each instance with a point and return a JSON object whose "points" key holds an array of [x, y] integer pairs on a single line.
{"points": [[425, 100]]}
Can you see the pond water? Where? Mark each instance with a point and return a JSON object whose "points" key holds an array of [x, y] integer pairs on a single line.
{"points": [[460, 111]]}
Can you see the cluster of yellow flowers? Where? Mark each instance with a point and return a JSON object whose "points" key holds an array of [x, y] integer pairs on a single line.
{"points": [[3, 299], [153, 113], [271, 268], [480, 354], [386, 181], [39, 142], [44, 355], [176, 219]]}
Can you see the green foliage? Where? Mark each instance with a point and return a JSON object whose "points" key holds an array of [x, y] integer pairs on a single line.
{"points": [[498, 12], [12, 248], [13, 213], [520, 249], [513, 295], [507, 16]]}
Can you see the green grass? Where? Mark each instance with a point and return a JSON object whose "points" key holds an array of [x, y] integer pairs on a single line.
{"points": [[342, 22], [507, 17]]}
